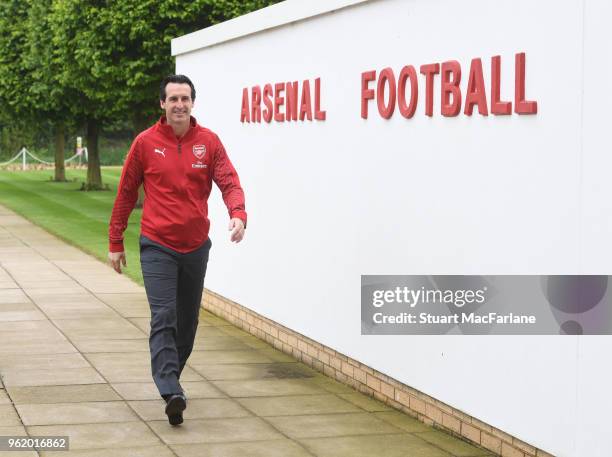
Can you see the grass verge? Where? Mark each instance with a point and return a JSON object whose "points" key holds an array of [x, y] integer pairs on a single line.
{"points": [[77, 217]]}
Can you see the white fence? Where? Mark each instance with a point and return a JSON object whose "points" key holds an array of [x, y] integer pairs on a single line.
{"points": [[23, 155]]}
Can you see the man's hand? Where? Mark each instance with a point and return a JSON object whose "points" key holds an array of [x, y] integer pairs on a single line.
{"points": [[236, 226], [116, 259]]}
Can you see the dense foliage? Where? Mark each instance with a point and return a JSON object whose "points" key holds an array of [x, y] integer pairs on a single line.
{"points": [[88, 65]]}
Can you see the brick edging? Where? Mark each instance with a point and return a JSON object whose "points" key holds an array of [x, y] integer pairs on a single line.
{"points": [[369, 381]]}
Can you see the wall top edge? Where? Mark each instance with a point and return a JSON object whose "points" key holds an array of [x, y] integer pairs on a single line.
{"points": [[266, 18]]}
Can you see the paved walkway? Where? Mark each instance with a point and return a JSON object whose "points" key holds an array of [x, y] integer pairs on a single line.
{"points": [[74, 361]]}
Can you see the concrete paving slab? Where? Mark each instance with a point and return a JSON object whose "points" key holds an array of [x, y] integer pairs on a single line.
{"points": [[117, 299], [269, 387], [133, 311], [451, 445], [62, 394], [108, 345], [97, 286], [244, 371], [274, 354], [366, 403], [216, 343], [117, 323], [113, 328], [297, 405], [69, 289], [276, 448], [105, 436], [18, 307], [249, 340], [24, 315], [42, 361], [4, 399], [209, 408], [36, 326], [333, 386], [13, 296], [130, 367], [222, 356], [403, 445], [17, 430], [57, 376], [209, 318], [50, 334], [42, 346], [148, 390], [33, 285], [75, 413], [39, 269], [148, 451], [143, 323], [215, 430], [325, 425], [211, 331], [8, 416], [402, 421], [18, 454], [91, 313], [51, 303]]}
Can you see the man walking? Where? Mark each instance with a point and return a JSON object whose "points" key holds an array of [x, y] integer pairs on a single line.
{"points": [[176, 160]]}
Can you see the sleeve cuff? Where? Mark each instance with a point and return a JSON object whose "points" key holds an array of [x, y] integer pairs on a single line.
{"points": [[242, 215], [115, 246]]}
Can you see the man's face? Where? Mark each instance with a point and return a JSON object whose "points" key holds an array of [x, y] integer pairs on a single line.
{"points": [[178, 103]]}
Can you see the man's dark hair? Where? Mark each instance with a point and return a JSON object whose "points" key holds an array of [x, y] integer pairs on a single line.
{"points": [[178, 79]]}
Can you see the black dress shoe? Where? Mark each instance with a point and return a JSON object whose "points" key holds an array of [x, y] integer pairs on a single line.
{"points": [[175, 405]]}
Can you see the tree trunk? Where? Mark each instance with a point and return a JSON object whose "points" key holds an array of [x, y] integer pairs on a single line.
{"points": [[94, 176], [60, 170]]}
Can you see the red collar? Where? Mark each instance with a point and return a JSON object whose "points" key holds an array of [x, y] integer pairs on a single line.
{"points": [[167, 129]]}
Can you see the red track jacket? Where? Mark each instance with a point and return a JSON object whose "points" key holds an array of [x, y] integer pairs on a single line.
{"points": [[177, 176]]}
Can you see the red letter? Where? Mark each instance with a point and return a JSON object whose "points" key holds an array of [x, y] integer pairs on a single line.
{"points": [[429, 71], [521, 106], [366, 94], [244, 113], [475, 93], [407, 110], [497, 106], [305, 106], [291, 89], [451, 87], [267, 94], [278, 102], [319, 115], [256, 107], [386, 77]]}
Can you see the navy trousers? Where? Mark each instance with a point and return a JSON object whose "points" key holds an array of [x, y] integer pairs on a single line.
{"points": [[174, 284]]}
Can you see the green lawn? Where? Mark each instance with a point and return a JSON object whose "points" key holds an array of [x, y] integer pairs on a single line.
{"points": [[80, 218]]}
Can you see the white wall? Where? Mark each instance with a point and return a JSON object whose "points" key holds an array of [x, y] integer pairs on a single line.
{"points": [[330, 201]]}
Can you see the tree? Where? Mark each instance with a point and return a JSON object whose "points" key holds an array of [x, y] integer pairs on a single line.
{"points": [[29, 90], [49, 97], [14, 80], [114, 53]]}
